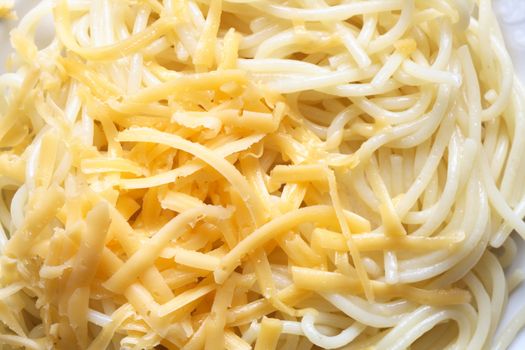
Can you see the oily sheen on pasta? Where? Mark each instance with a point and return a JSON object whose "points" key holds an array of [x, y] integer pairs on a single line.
{"points": [[302, 174]]}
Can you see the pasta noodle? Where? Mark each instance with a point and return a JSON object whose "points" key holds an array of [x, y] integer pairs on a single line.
{"points": [[232, 174]]}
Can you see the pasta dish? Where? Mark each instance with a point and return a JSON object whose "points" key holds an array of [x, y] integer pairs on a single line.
{"points": [[302, 174]]}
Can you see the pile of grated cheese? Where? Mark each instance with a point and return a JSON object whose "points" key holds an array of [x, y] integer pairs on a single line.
{"points": [[161, 185]]}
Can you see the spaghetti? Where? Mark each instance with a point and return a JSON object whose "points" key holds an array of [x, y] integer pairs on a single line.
{"points": [[259, 174]]}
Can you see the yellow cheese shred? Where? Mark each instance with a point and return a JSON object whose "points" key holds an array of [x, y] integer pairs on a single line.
{"points": [[6, 9], [269, 334], [142, 259], [311, 279]]}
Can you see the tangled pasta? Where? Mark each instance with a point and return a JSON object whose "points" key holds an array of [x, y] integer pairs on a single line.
{"points": [[259, 174]]}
